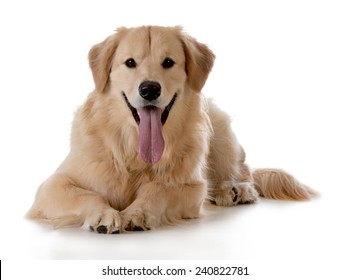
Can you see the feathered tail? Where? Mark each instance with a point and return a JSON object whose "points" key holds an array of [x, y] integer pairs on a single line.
{"points": [[277, 184]]}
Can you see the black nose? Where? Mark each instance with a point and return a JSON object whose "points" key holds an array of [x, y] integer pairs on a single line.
{"points": [[149, 90]]}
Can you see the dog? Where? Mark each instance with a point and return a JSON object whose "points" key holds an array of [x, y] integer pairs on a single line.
{"points": [[147, 148]]}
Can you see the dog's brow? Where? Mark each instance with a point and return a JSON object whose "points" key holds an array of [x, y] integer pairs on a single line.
{"points": [[149, 37]]}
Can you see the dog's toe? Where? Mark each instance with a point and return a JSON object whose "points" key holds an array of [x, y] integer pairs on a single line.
{"points": [[107, 221], [102, 229], [230, 194], [132, 227], [245, 193], [138, 220]]}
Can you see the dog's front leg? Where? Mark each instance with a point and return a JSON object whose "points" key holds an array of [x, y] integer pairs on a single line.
{"points": [[163, 203], [62, 203]]}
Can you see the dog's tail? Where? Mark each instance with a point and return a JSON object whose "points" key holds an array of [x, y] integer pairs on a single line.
{"points": [[277, 184]]}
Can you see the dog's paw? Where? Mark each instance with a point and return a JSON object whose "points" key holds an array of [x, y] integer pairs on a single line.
{"points": [[106, 221], [229, 194], [138, 220], [244, 193]]}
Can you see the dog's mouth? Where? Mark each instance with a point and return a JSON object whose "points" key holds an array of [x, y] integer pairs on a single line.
{"points": [[150, 120], [164, 114]]}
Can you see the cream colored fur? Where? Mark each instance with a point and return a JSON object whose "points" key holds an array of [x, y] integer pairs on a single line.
{"points": [[104, 186]]}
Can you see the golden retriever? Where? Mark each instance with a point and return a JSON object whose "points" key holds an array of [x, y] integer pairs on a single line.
{"points": [[146, 147]]}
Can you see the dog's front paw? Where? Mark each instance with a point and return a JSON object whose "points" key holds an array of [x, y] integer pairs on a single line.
{"points": [[229, 194], [138, 220], [106, 221]]}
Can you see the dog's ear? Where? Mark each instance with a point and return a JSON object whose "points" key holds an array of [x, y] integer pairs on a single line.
{"points": [[100, 59], [199, 61]]}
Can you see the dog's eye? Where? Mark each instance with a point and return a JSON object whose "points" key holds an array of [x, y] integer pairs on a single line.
{"points": [[167, 63], [130, 63]]}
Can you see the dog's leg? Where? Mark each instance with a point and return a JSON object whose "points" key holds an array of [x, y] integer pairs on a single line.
{"points": [[230, 178], [157, 204], [61, 202]]}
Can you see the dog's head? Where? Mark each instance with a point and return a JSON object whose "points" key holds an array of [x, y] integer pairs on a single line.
{"points": [[150, 67]]}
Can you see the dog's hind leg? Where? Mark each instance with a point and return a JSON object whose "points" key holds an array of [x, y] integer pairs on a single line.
{"points": [[62, 203], [230, 180]]}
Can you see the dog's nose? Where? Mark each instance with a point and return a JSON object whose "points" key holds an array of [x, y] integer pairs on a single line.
{"points": [[149, 90]]}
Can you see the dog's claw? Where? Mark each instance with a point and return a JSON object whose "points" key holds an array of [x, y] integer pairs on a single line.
{"points": [[138, 228], [102, 229]]}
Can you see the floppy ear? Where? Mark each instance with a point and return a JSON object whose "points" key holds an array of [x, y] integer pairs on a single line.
{"points": [[100, 59], [199, 62]]}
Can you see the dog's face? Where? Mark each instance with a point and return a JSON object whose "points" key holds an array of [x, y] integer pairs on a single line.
{"points": [[150, 67]]}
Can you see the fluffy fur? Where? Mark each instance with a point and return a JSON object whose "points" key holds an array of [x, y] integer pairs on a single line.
{"points": [[105, 186]]}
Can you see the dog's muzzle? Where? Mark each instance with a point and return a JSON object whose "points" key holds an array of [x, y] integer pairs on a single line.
{"points": [[164, 114]]}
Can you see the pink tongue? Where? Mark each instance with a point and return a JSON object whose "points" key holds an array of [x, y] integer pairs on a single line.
{"points": [[150, 143]]}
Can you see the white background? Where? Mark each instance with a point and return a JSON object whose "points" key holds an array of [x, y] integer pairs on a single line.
{"points": [[282, 73]]}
